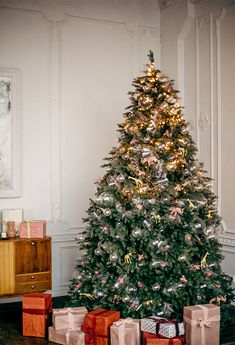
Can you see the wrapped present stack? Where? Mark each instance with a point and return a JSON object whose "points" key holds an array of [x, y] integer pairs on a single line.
{"points": [[66, 327], [202, 324], [37, 308], [161, 331], [97, 326]]}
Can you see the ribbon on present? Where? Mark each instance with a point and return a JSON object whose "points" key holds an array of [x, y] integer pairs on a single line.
{"points": [[202, 322], [68, 333], [70, 313], [121, 329]]}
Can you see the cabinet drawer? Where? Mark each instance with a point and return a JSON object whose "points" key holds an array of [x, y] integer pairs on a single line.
{"points": [[33, 286], [32, 277]]}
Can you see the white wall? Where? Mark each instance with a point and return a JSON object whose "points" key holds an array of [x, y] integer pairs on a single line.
{"points": [[198, 51], [76, 61]]}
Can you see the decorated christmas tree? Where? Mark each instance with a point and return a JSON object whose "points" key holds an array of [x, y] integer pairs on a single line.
{"points": [[150, 245]]}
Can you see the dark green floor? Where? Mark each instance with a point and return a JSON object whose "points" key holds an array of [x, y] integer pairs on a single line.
{"points": [[10, 326]]}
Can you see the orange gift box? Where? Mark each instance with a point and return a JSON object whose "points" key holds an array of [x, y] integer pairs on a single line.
{"points": [[152, 339], [33, 229], [36, 310], [97, 326]]}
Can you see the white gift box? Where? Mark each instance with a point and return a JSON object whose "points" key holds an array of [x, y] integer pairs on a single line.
{"points": [[170, 329], [12, 215], [161, 326], [150, 324]]}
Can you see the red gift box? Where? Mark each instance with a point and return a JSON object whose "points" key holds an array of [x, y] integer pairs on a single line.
{"points": [[97, 326], [151, 339], [36, 310]]}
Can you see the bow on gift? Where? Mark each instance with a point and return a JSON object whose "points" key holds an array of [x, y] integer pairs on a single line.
{"points": [[202, 322], [122, 322], [69, 332], [70, 314]]}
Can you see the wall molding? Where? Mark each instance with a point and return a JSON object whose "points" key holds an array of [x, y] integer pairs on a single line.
{"points": [[219, 128], [212, 150], [228, 241], [198, 24], [187, 25], [54, 75]]}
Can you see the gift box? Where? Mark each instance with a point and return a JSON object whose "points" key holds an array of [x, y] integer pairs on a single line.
{"points": [[169, 329], [33, 229], [150, 324], [68, 317], [37, 308], [164, 327], [12, 215], [202, 324], [97, 326], [125, 332], [66, 336], [151, 339]]}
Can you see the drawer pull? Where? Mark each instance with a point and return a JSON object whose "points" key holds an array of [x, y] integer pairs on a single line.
{"points": [[32, 243], [33, 277], [33, 287]]}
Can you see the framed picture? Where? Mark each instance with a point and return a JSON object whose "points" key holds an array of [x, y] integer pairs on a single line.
{"points": [[9, 133]]}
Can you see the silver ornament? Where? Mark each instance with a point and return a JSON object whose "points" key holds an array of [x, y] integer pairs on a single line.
{"points": [[107, 212], [156, 287], [182, 257], [113, 257], [147, 224], [121, 178], [126, 299], [99, 293], [98, 251], [155, 263], [156, 242], [80, 237], [137, 232]]}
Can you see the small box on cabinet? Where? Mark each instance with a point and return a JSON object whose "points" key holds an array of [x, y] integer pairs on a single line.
{"points": [[33, 229]]}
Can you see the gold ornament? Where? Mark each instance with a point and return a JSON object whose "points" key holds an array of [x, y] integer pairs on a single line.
{"points": [[88, 295], [145, 102], [171, 166], [137, 181], [149, 302], [191, 205], [203, 261], [128, 257], [209, 215], [157, 218]]}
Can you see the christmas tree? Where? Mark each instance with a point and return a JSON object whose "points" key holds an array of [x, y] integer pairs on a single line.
{"points": [[150, 244]]}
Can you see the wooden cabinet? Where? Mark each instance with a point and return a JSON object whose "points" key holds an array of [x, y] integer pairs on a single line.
{"points": [[25, 266]]}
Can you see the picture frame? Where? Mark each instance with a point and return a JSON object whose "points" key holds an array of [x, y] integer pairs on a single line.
{"points": [[10, 133]]}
